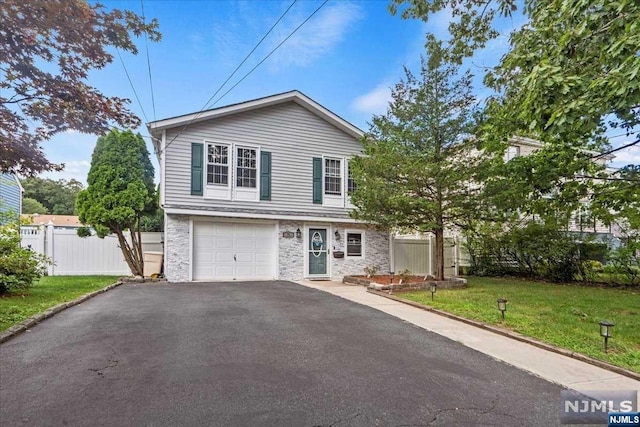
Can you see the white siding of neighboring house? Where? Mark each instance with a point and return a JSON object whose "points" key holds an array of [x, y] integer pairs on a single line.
{"points": [[291, 133]]}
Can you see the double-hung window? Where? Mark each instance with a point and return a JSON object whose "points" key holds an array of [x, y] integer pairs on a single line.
{"points": [[246, 167], [354, 243], [218, 165], [332, 177]]}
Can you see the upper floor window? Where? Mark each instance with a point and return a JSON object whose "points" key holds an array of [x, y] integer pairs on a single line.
{"points": [[351, 184], [512, 153], [217, 164], [246, 170], [333, 177]]}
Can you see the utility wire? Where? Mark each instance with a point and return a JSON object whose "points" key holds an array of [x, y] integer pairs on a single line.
{"points": [[270, 53], [246, 75], [131, 83], [146, 43]]}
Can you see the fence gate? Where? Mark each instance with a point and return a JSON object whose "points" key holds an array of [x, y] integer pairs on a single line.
{"points": [[419, 256]]}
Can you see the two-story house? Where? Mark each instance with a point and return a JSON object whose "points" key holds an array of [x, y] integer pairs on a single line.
{"points": [[260, 190], [10, 194]]}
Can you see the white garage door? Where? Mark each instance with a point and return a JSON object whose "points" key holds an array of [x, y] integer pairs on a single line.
{"points": [[233, 251]]}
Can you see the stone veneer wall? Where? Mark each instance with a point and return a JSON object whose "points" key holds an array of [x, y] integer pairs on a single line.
{"points": [[291, 252], [176, 249], [376, 251]]}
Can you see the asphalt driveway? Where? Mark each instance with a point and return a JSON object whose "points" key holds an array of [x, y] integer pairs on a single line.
{"points": [[268, 353]]}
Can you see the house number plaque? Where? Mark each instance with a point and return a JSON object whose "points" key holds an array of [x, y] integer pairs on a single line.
{"points": [[288, 234]]}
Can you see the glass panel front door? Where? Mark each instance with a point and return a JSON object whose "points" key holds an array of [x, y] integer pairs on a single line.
{"points": [[318, 251]]}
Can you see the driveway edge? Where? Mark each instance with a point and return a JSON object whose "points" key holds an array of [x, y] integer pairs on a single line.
{"points": [[515, 336], [35, 319]]}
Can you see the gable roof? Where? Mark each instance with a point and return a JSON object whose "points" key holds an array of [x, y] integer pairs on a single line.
{"points": [[296, 96]]}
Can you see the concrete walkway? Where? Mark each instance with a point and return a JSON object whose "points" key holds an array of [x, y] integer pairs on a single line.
{"points": [[553, 367]]}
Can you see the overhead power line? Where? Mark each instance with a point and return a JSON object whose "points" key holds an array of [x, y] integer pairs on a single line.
{"points": [[250, 71], [135, 93], [146, 44]]}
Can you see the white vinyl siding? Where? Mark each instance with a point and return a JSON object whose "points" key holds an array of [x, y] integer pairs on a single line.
{"points": [[292, 134]]}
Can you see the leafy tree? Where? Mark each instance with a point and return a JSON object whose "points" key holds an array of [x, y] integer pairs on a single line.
{"points": [[618, 200], [58, 197], [418, 163], [47, 50], [120, 191], [571, 70], [32, 206]]}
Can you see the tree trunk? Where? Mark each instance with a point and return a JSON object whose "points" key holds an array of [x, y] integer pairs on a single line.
{"points": [[132, 253], [439, 254]]}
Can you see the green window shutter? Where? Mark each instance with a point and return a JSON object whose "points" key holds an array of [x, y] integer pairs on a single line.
{"points": [[265, 175], [197, 177], [317, 180]]}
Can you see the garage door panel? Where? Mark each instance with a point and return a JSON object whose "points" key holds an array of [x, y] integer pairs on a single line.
{"points": [[215, 244]]}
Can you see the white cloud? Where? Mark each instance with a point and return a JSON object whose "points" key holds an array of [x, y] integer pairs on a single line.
{"points": [[630, 155], [73, 169], [317, 37], [374, 102]]}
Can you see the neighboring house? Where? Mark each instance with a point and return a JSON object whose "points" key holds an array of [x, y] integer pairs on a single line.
{"points": [[58, 221], [259, 190], [10, 194]]}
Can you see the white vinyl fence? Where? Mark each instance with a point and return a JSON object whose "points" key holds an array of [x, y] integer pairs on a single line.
{"points": [[419, 255], [74, 255]]}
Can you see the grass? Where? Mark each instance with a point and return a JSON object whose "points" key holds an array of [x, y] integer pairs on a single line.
{"points": [[564, 315], [47, 292]]}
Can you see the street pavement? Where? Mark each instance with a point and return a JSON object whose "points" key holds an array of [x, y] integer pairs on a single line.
{"points": [[254, 353]]}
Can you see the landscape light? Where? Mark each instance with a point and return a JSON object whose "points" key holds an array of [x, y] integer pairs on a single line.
{"points": [[391, 273], [605, 331], [433, 287], [502, 306]]}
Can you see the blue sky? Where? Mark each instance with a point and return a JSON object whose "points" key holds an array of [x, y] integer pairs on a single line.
{"points": [[345, 57]]}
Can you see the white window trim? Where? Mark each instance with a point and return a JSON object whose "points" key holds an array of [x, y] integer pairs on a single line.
{"points": [[229, 157], [347, 198], [362, 243], [334, 200], [516, 148], [231, 188], [246, 190]]}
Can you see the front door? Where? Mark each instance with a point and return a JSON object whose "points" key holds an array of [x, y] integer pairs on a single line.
{"points": [[318, 251]]}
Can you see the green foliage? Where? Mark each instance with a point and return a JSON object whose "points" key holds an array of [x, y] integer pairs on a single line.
{"points": [[417, 165], [83, 232], [625, 260], [49, 49], [618, 200], [530, 249], [32, 206], [19, 267], [58, 197], [120, 191]]}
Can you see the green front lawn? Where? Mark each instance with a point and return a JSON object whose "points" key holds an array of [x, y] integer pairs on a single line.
{"points": [[48, 292], [563, 315]]}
